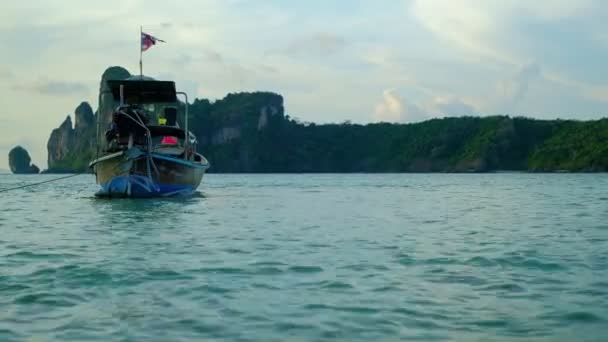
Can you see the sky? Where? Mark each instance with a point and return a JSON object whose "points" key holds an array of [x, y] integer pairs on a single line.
{"points": [[332, 60]]}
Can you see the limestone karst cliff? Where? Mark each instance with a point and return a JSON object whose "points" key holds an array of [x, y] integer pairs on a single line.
{"points": [[71, 146], [250, 132]]}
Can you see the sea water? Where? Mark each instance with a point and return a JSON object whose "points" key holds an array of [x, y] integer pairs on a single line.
{"points": [[475, 257]]}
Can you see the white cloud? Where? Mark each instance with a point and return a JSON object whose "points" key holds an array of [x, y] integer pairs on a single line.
{"points": [[488, 33], [6, 74], [591, 92], [469, 25], [554, 10], [393, 108], [323, 43], [54, 87], [512, 91], [477, 26], [451, 106]]}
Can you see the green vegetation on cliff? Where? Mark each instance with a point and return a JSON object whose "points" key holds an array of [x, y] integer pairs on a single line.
{"points": [[249, 132], [463, 144], [573, 146]]}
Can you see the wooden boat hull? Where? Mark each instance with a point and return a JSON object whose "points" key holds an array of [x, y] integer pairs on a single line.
{"points": [[121, 175]]}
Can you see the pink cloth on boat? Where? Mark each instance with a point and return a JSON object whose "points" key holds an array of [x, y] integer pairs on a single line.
{"points": [[169, 141]]}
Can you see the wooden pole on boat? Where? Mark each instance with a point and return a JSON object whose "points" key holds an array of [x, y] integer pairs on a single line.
{"points": [[141, 68]]}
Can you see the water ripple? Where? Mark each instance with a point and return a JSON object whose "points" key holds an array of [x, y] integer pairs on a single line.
{"points": [[499, 257]]}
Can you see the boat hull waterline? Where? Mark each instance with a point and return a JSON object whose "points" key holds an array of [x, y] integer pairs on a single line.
{"points": [[122, 176]]}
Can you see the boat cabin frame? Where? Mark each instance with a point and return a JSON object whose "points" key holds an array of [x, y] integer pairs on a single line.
{"points": [[148, 91]]}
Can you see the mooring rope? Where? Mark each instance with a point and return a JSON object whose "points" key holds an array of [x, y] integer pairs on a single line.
{"points": [[149, 160], [34, 184]]}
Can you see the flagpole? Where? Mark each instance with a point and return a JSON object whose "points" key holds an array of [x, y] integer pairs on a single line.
{"points": [[141, 68]]}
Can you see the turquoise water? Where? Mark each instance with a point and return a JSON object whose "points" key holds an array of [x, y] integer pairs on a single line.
{"points": [[496, 257]]}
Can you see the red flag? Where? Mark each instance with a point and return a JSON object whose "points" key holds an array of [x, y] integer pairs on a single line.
{"points": [[147, 41]]}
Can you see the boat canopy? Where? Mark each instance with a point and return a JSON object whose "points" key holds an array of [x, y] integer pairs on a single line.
{"points": [[143, 91]]}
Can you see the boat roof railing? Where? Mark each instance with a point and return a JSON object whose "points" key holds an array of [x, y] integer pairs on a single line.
{"points": [[143, 91]]}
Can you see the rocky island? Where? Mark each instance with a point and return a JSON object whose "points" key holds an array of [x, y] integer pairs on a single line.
{"points": [[250, 132], [20, 162]]}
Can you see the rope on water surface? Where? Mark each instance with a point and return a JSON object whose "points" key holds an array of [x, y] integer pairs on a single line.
{"points": [[34, 184]]}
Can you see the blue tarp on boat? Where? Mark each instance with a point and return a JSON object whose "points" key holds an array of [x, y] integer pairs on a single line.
{"points": [[140, 187]]}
